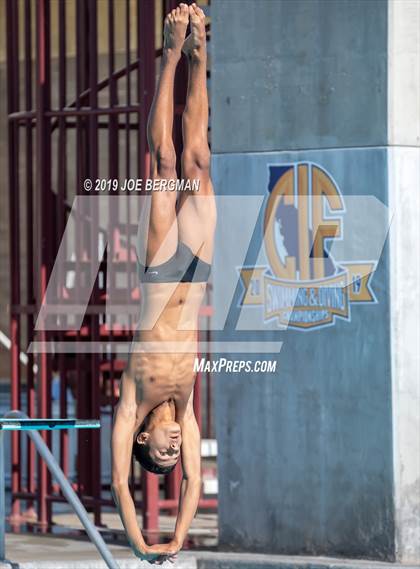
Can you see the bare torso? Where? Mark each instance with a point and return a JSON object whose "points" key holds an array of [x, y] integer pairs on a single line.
{"points": [[162, 359]]}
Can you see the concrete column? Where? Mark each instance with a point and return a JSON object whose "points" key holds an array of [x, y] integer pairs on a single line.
{"points": [[323, 457], [404, 192]]}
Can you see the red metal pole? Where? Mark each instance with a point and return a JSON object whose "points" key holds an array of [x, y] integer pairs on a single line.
{"points": [[61, 219], [13, 142], [146, 76], [113, 173], [145, 91], [150, 493], [31, 301], [43, 204], [209, 379], [82, 233], [94, 436], [197, 400], [173, 487]]}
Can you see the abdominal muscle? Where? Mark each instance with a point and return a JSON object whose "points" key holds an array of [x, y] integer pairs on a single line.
{"points": [[165, 345]]}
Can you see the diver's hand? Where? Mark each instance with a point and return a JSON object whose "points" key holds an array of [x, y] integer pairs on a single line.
{"points": [[143, 552], [165, 552], [158, 553]]}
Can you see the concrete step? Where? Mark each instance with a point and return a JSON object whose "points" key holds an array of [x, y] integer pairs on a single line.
{"points": [[222, 560], [212, 560]]}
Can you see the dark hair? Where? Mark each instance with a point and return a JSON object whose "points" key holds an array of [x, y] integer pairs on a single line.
{"points": [[142, 454]]}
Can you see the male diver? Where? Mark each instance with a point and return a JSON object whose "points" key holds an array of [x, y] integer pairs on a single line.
{"points": [[154, 419]]}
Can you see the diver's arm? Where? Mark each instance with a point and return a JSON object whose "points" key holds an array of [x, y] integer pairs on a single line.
{"points": [[129, 414], [191, 482], [124, 428]]}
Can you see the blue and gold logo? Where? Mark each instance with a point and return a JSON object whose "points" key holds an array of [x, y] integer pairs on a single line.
{"points": [[303, 287]]}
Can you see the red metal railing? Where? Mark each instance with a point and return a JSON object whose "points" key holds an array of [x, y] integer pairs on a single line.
{"points": [[66, 124]]}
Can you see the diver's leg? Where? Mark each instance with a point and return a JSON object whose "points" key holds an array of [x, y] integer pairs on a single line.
{"points": [[163, 232], [196, 219]]}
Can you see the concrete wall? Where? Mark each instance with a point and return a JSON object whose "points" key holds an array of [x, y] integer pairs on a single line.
{"points": [[318, 66], [323, 457], [403, 73], [404, 187], [305, 455]]}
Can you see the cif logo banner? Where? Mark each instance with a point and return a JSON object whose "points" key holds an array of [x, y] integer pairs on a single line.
{"points": [[303, 287]]}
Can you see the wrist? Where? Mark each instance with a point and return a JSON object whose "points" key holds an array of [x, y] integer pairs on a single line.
{"points": [[178, 541], [140, 547]]}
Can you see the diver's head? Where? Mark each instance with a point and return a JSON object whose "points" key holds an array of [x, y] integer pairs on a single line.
{"points": [[157, 445]]}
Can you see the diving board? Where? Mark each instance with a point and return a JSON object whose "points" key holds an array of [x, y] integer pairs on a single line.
{"points": [[18, 421], [7, 424]]}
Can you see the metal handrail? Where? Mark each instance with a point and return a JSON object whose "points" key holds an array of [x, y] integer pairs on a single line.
{"points": [[65, 486]]}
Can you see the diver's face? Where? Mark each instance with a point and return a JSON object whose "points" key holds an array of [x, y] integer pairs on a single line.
{"points": [[164, 443]]}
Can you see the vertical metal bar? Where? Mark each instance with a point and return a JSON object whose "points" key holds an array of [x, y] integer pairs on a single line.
{"points": [[31, 301], [113, 151], [150, 495], [197, 398], [2, 500], [12, 34], [94, 436], [145, 90], [209, 397], [61, 216], [78, 150], [81, 157], [127, 158], [43, 185], [146, 77], [173, 486], [113, 170], [113, 96], [209, 380]]}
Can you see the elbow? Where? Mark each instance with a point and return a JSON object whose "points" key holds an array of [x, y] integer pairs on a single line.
{"points": [[118, 487], [194, 481]]}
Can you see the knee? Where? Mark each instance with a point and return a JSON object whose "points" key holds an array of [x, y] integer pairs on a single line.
{"points": [[196, 162], [165, 159]]}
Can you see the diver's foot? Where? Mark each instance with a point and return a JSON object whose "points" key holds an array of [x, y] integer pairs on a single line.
{"points": [[176, 23], [195, 45]]}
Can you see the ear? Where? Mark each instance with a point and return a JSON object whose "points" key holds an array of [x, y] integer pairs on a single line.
{"points": [[142, 438]]}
